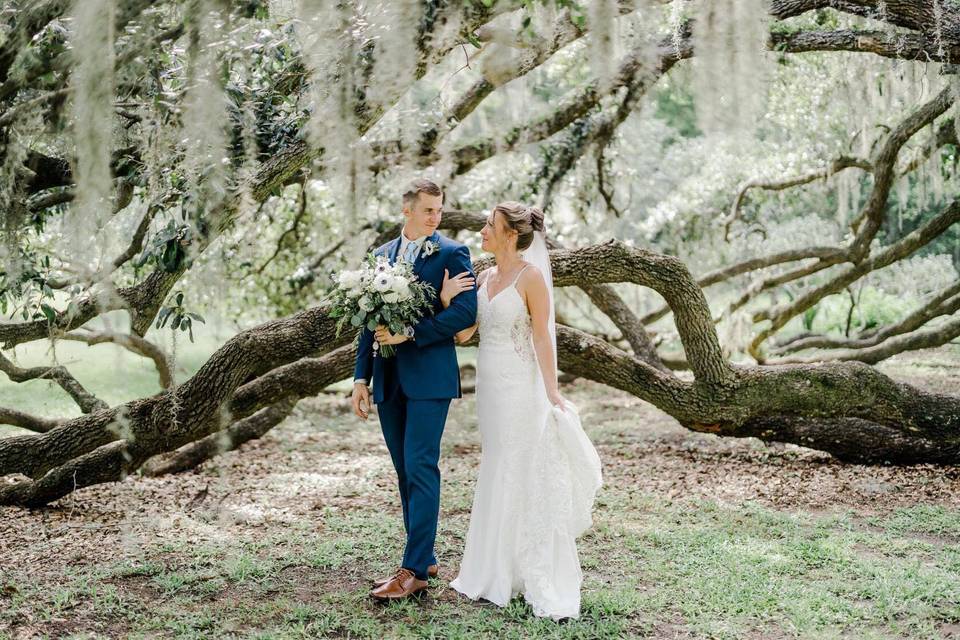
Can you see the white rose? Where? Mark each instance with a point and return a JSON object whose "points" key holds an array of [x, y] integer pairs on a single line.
{"points": [[405, 293], [390, 297], [365, 303], [399, 284], [353, 293]]}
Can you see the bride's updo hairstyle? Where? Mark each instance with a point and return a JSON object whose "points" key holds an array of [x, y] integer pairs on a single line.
{"points": [[522, 219]]}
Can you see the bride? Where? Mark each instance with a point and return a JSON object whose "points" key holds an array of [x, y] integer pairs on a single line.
{"points": [[539, 472]]}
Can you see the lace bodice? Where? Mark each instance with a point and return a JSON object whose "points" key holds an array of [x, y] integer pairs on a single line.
{"points": [[504, 320]]}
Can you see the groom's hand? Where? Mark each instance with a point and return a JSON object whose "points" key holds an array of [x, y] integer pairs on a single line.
{"points": [[385, 337], [361, 400]]}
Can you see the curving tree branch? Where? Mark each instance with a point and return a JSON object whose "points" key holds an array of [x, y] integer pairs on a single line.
{"points": [[897, 343], [944, 302], [130, 342], [58, 373], [884, 169], [23, 420], [839, 164]]}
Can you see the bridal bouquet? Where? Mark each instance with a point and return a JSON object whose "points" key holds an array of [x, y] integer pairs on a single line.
{"points": [[379, 294]]}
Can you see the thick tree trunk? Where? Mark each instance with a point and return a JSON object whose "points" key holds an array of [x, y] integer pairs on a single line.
{"points": [[833, 407], [193, 410]]}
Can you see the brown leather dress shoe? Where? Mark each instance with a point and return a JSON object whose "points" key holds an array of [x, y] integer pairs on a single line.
{"points": [[403, 584], [433, 571]]}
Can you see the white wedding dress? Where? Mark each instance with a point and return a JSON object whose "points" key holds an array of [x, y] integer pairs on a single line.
{"points": [[538, 476]]}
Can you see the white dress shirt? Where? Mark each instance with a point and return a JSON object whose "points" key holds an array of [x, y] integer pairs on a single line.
{"points": [[404, 241]]}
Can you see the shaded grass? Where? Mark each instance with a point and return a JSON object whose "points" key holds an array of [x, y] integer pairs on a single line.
{"points": [[698, 568], [930, 519]]}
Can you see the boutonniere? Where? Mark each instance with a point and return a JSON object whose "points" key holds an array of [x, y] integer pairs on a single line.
{"points": [[430, 247]]}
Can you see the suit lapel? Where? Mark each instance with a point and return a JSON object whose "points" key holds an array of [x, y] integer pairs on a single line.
{"points": [[421, 257], [392, 251]]}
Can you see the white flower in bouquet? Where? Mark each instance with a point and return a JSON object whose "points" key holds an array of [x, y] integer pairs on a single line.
{"points": [[351, 282], [383, 282], [399, 283], [399, 287], [382, 265], [349, 279]]}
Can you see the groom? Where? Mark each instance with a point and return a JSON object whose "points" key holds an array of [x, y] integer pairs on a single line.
{"points": [[413, 388]]}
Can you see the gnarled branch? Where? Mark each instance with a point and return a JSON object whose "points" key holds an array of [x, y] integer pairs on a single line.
{"points": [[59, 374]]}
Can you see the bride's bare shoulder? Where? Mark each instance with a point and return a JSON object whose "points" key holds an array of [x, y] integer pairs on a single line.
{"points": [[531, 272], [531, 277]]}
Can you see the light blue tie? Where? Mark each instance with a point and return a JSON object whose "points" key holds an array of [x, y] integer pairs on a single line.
{"points": [[411, 252]]}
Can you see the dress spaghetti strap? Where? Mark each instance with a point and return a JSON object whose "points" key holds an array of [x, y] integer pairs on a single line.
{"points": [[517, 277]]}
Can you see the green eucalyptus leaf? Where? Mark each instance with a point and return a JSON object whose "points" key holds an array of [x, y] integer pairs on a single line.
{"points": [[49, 312]]}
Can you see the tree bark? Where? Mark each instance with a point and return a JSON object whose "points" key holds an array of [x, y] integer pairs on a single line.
{"points": [[195, 453]]}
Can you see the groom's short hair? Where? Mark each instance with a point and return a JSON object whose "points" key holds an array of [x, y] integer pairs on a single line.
{"points": [[415, 188]]}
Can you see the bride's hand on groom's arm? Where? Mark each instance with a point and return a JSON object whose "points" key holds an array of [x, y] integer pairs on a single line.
{"points": [[452, 287]]}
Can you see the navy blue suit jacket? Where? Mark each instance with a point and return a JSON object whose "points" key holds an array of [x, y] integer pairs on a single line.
{"points": [[426, 366]]}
